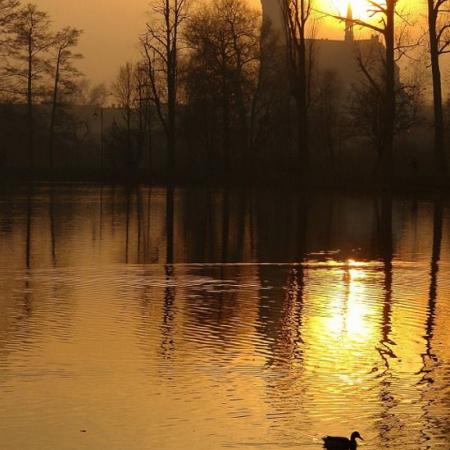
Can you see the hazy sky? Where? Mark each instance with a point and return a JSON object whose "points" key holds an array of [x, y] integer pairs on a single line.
{"points": [[111, 29]]}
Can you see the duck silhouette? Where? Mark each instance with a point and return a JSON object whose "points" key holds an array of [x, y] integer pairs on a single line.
{"points": [[341, 443]]}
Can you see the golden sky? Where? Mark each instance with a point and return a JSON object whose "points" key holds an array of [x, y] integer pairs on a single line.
{"points": [[110, 31], [111, 27], [360, 7]]}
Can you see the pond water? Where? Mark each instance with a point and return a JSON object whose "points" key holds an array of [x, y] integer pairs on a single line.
{"points": [[136, 318]]}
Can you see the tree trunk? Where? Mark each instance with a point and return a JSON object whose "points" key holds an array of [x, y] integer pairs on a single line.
{"points": [[140, 143], [439, 130], [150, 140], [30, 105], [171, 141], [53, 113], [171, 123], [129, 133], [390, 96], [302, 108], [226, 128]]}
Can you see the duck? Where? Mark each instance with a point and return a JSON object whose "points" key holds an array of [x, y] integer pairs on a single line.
{"points": [[341, 443]]}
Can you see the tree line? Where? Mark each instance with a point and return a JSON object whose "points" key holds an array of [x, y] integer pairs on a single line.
{"points": [[210, 77], [38, 67], [233, 94], [229, 94]]}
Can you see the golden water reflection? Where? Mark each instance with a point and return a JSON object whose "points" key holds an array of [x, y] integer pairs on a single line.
{"points": [[281, 318]]}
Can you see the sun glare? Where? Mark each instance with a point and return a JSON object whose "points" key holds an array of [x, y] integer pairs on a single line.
{"points": [[360, 7]]}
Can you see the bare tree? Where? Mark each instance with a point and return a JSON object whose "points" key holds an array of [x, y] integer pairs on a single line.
{"points": [[131, 91], [224, 39], [439, 35], [65, 74], [143, 108], [123, 91], [297, 15], [385, 12], [161, 45], [28, 61], [8, 14], [365, 116], [327, 104], [269, 115]]}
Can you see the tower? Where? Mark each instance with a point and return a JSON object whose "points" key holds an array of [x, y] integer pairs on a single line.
{"points": [[271, 10], [349, 36]]}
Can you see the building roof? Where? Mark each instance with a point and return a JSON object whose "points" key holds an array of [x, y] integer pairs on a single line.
{"points": [[341, 57], [337, 56]]}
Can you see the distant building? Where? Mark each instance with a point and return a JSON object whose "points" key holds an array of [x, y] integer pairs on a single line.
{"points": [[340, 57]]}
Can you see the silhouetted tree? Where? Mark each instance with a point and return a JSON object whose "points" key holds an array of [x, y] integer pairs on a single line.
{"points": [[271, 95], [297, 15], [123, 91], [224, 39], [328, 107], [386, 13], [439, 35], [161, 45], [131, 91], [65, 74], [8, 13], [365, 115], [29, 63]]}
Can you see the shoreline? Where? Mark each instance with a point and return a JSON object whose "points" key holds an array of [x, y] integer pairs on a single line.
{"points": [[426, 184]]}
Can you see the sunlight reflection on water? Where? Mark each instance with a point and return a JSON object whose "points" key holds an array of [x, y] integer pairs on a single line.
{"points": [[307, 318]]}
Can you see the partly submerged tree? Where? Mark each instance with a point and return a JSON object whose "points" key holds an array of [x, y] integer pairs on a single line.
{"points": [[298, 24], [328, 105], [385, 12], [270, 115], [131, 92], [8, 14], [65, 74], [439, 36], [161, 46], [123, 92], [28, 61], [222, 72], [365, 114]]}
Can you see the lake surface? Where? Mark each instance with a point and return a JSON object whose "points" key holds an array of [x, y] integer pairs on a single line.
{"points": [[135, 318]]}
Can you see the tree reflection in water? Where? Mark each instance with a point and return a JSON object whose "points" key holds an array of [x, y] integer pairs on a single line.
{"points": [[278, 308]]}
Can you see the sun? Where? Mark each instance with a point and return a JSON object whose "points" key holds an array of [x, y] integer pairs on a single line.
{"points": [[361, 8]]}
